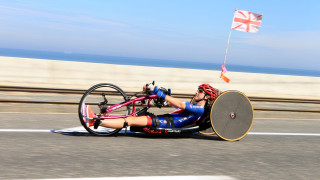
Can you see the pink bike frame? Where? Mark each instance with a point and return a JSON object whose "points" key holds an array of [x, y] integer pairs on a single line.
{"points": [[133, 101]]}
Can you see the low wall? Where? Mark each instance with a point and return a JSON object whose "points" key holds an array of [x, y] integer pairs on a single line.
{"points": [[68, 74]]}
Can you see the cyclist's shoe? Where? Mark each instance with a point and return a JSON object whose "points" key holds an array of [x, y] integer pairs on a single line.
{"points": [[97, 123], [88, 115]]}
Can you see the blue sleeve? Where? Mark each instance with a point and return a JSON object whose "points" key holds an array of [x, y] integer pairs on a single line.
{"points": [[194, 108]]}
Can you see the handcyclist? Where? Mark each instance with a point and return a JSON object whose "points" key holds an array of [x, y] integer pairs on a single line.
{"points": [[187, 114]]}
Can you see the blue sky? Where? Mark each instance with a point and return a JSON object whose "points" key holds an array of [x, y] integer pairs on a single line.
{"points": [[186, 30]]}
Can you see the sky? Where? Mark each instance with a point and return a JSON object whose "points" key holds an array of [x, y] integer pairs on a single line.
{"points": [[184, 30]]}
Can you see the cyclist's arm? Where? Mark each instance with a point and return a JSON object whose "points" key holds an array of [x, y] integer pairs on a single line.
{"points": [[175, 102], [193, 108]]}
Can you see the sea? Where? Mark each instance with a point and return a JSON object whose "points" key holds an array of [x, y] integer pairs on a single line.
{"points": [[151, 62]]}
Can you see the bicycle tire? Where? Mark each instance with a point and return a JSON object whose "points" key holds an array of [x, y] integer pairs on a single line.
{"points": [[232, 115], [93, 94]]}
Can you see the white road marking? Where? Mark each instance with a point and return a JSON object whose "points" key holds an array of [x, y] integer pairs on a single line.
{"points": [[286, 119], [80, 129], [13, 112], [283, 134], [26, 130], [74, 129], [156, 178]]}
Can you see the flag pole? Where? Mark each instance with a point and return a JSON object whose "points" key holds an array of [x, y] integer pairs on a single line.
{"points": [[225, 55], [223, 68]]}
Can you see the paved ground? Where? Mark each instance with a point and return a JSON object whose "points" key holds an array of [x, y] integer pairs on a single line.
{"points": [[33, 155], [38, 155]]}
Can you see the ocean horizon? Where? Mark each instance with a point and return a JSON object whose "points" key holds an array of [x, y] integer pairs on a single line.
{"points": [[151, 62]]}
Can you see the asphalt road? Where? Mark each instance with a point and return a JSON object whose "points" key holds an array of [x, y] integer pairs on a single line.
{"points": [[38, 155]]}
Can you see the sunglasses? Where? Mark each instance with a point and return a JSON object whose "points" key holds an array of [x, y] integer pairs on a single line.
{"points": [[200, 91]]}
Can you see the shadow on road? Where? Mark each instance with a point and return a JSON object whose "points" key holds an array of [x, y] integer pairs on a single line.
{"points": [[144, 135]]}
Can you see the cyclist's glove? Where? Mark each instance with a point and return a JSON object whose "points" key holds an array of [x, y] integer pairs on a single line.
{"points": [[159, 93]]}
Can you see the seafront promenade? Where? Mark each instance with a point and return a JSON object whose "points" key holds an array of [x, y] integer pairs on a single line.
{"points": [[67, 74]]}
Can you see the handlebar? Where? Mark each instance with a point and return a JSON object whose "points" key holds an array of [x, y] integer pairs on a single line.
{"points": [[147, 89], [164, 90], [158, 101]]}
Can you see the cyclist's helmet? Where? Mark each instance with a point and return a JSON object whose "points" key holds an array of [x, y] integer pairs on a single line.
{"points": [[209, 90]]}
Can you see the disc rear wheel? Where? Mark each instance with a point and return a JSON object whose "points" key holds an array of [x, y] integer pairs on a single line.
{"points": [[232, 115]]}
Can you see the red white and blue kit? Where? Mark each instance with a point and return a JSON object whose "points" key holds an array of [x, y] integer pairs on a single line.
{"points": [[177, 119]]}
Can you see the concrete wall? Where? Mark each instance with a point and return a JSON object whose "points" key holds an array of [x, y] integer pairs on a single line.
{"points": [[67, 74]]}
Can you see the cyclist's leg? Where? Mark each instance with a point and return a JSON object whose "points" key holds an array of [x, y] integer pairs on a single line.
{"points": [[162, 121], [119, 123]]}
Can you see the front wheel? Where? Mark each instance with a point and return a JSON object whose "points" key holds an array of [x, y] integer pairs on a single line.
{"points": [[94, 102]]}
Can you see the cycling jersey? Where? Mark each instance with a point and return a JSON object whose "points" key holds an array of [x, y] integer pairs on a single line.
{"points": [[179, 118]]}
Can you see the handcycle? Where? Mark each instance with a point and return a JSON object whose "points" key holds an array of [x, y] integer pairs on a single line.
{"points": [[230, 116]]}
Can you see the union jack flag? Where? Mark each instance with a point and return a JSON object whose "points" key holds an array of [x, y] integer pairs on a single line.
{"points": [[246, 21]]}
